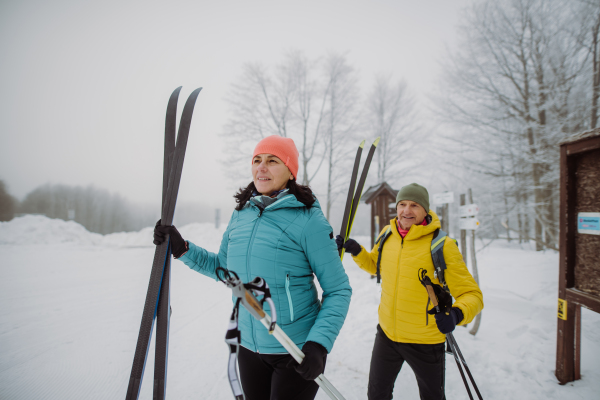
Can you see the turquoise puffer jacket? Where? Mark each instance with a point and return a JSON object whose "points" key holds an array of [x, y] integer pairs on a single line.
{"points": [[287, 245]]}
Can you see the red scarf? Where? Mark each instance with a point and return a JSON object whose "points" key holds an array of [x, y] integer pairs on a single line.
{"points": [[404, 232]]}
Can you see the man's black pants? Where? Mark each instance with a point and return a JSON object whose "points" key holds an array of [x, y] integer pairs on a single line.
{"points": [[267, 377], [426, 360]]}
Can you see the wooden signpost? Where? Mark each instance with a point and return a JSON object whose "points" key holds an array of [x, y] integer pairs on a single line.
{"points": [[443, 213], [579, 247]]}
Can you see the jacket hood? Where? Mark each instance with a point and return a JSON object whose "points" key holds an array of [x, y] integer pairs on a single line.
{"points": [[418, 231]]}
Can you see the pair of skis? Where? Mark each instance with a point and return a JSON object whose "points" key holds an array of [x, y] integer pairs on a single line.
{"points": [[355, 195], [157, 304]]}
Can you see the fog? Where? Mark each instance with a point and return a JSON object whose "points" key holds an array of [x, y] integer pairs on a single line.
{"points": [[85, 84]]}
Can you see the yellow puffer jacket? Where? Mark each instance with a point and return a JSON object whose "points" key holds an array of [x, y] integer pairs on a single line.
{"points": [[402, 314]]}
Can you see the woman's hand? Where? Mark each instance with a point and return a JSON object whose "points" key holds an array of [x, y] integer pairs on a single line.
{"points": [[178, 245], [351, 245], [313, 364]]}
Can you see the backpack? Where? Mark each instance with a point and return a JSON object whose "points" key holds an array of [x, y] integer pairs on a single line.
{"points": [[437, 254]]}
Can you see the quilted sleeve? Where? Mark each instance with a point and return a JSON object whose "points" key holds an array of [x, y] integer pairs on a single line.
{"points": [[321, 251], [461, 283], [205, 262]]}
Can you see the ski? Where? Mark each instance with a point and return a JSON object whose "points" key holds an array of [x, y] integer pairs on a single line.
{"points": [[344, 230], [159, 275], [163, 314], [347, 222]]}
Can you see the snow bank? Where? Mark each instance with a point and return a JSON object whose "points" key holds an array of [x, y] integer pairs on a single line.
{"points": [[38, 229]]}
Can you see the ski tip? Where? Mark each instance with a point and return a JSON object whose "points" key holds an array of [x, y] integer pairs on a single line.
{"points": [[362, 144], [376, 142]]}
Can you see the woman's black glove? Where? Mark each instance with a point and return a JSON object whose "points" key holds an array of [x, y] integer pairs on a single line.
{"points": [[313, 364], [178, 245], [351, 245], [447, 322]]}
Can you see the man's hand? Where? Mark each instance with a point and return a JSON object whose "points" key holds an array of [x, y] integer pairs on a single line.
{"points": [[447, 322], [351, 245]]}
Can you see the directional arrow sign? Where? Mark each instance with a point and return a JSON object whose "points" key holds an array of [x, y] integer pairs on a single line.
{"points": [[470, 210], [468, 223], [443, 198]]}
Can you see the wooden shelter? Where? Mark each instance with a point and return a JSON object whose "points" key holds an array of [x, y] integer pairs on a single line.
{"points": [[382, 199], [579, 246]]}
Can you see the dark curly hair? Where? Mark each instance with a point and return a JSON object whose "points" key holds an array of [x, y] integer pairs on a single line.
{"points": [[303, 194]]}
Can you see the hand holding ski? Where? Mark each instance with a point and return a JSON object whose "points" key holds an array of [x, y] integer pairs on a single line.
{"points": [[157, 304], [354, 196]]}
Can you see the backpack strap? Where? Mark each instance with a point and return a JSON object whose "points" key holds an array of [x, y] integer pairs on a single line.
{"points": [[437, 255], [381, 240]]}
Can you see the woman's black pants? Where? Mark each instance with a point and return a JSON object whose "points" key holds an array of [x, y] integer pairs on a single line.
{"points": [[426, 360], [267, 377]]}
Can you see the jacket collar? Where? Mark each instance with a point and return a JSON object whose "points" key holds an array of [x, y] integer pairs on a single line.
{"points": [[284, 200], [418, 231]]}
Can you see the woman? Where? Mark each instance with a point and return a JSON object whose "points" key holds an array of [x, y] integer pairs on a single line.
{"points": [[278, 232], [405, 333]]}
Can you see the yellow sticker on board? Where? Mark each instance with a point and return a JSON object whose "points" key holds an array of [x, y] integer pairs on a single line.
{"points": [[562, 309]]}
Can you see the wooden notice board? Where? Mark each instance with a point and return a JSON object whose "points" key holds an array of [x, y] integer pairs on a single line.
{"points": [[579, 270]]}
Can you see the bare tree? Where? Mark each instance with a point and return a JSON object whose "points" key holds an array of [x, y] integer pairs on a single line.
{"points": [[342, 118], [287, 100], [8, 204], [392, 117], [96, 209], [514, 91]]}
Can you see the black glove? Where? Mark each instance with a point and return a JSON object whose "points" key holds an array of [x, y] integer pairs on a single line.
{"points": [[178, 245], [351, 245], [447, 322], [313, 364]]}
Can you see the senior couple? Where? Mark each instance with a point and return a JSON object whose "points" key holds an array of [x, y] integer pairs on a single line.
{"points": [[278, 232]]}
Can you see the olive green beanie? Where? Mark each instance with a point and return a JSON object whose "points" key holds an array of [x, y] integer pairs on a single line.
{"points": [[416, 193]]}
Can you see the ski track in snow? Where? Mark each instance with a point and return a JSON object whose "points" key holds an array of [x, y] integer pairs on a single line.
{"points": [[72, 304]]}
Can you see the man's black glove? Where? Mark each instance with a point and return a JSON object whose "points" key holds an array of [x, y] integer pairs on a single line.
{"points": [[313, 364], [351, 245], [178, 245], [447, 322]]}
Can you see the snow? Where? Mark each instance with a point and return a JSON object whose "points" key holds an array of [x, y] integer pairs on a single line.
{"points": [[72, 303]]}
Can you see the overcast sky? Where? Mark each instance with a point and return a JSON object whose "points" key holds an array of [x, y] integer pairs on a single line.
{"points": [[84, 84]]}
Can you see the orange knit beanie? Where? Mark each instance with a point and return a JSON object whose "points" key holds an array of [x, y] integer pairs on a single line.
{"points": [[283, 148]]}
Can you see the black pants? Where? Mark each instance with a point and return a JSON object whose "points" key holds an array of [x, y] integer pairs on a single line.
{"points": [[266, 377], [426, 360]]}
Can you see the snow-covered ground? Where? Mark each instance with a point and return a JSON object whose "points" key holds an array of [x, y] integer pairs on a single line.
{"points": [[71, 303]]}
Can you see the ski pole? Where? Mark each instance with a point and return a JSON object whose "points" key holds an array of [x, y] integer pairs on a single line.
{"points": [[425, 281], [462, 374], [254, 307], [462, 359]]}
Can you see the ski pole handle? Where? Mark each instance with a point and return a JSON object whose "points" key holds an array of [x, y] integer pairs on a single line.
{"points": [[431, 294], [250, 300], [250, 303]]}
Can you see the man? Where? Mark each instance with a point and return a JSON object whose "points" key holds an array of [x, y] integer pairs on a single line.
{"points": [[405, 331]]}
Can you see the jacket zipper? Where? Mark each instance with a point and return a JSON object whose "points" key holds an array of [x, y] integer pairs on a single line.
{"points": [[248, 273], [289, 295], [261, 210], [397, 284]]}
